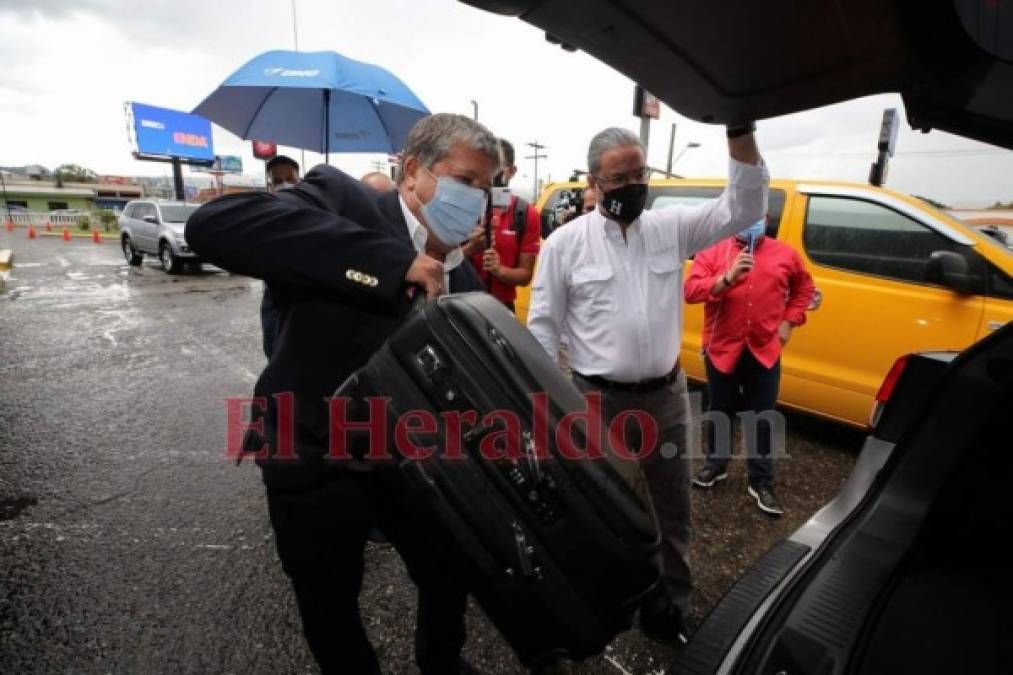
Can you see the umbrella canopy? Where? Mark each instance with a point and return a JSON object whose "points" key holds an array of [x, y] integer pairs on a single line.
{"points": [[319, 101]]}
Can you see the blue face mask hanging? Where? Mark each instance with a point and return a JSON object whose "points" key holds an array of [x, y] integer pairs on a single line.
{"points": [[454, 210], [753, 234]]}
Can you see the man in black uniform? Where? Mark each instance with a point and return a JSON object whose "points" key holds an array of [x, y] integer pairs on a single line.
{"points": [[337, 259]]}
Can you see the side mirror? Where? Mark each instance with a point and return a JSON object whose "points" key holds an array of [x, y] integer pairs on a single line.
{"points": [[151, 219], [949, 269]]}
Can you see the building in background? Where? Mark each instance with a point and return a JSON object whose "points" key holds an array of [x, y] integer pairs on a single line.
{"points": [[46, 196], [32, 188], [113, 192]]}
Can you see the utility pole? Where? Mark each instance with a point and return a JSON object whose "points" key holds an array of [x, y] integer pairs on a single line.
{"points": [[7, 204], [295, 39], [474, 105], [537, 146], [671, 149]]}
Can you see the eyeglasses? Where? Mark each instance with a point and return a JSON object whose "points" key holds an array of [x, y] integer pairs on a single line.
{"points": [[638, 176]]}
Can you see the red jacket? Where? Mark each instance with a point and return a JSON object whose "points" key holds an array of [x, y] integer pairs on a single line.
{"points": [[507, 247], [777, 289]]}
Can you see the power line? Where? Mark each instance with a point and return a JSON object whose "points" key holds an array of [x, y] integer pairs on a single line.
{"points": [[984, 152]]}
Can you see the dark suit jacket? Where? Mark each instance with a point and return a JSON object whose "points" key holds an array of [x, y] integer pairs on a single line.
{"points": [[318, 247]]}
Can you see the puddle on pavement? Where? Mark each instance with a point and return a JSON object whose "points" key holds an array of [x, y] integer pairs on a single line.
{"points": [[11, 508]]}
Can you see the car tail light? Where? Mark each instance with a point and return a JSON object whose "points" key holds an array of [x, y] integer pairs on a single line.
{"points": [[886, 389]]}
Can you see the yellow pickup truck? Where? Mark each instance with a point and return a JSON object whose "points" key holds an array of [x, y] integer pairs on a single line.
{"points": [[894, 275]]}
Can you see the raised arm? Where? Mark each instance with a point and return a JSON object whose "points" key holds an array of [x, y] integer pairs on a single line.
{"points": [[742, 203], [742, 148]]}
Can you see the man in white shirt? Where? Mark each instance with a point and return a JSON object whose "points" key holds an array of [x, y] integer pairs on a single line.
{"points": [[611, 281]]}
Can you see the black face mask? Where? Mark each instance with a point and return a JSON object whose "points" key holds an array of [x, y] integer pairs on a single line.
{"points": [[625, 204], [499, 180]]}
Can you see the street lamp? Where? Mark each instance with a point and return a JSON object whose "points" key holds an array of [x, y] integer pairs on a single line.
{"points": [[689, 146]]}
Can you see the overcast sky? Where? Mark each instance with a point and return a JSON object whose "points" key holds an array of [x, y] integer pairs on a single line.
{"points": [[70, 66]]}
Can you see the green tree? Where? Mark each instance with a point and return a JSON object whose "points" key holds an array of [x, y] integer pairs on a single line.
{"points": [[72, 173]]}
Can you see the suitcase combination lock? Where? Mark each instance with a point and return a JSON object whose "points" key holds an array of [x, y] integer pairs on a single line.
{"points": [[429, 361]]}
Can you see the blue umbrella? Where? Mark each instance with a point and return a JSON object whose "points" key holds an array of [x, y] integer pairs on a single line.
{"points": [[319, 101]]}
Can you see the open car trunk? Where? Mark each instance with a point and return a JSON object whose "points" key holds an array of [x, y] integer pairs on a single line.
{"points": [[917, 577], [726, 62]]}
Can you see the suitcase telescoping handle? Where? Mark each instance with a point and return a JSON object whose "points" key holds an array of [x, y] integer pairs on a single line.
{"points": [[416, 299]]}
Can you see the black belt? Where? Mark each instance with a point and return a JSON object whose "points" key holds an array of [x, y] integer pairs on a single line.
{"points": [[642, 387]]}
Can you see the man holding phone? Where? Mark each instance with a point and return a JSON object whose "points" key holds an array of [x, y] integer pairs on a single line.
{"points": [[505, 254], [756, 291]]}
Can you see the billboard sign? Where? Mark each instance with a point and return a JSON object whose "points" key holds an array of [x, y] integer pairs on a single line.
{"points": [[228, 164], [264, 149], [170, 133]]}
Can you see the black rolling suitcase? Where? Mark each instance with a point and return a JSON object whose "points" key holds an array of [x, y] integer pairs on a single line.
{"points": [[558, 551]]}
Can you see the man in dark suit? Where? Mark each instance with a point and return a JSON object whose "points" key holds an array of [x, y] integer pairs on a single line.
{"points": [[337, 259]]}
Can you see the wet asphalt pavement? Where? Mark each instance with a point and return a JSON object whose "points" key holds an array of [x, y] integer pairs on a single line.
{"points": [[129, 544]]}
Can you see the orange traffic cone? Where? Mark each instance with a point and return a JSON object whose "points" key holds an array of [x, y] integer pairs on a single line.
{"points": [[95, 237], [49, 226], [10, 225], [66, 233], [31, 232]]}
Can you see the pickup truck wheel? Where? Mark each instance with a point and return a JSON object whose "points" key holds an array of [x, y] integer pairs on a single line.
{"points": [[130, 253], [170, 263]]}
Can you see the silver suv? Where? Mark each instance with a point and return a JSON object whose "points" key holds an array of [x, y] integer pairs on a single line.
{"points": [[155, 227]]}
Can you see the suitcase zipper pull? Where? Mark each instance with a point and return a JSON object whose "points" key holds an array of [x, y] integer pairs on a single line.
{"points": [[524, 553], [532, 456]]}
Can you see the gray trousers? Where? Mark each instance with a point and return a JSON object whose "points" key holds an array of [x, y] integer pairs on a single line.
{"points": [[666, 469]]}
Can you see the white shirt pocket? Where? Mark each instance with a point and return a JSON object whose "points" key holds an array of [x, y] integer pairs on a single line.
{"points": [[593, 291], [665, 280]]}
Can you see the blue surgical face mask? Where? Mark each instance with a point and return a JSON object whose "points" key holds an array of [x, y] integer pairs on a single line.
{"points": [[753, 234], [454, 210]]}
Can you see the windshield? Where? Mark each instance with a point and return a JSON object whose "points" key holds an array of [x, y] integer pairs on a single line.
{"points": [[176, 213], [995, 243], [989, 241]]}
